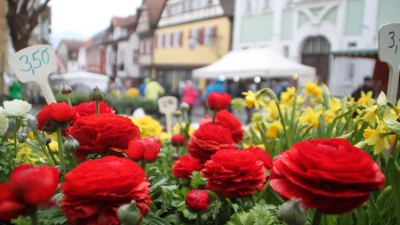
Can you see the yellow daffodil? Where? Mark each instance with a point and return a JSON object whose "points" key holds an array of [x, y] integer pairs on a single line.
{"points": [[245, 145], [377, 137], [148, 126], [310, 117], [253, 99], [53, 145], [30, 135], [23, 153], [274, 129], [177, 128], [132, 92], [370, 113], [313, 89], [287, 97], [366, 99], [329, 115]]}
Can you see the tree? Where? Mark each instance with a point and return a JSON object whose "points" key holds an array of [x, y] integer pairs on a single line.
{"points": [[22, 17]]}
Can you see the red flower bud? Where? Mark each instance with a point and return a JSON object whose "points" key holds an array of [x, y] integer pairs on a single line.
{"points": [[197, 200], [146, 149], [178, 140], [218, 100]]}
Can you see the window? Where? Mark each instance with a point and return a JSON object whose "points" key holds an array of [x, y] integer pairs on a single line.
{"points": [[248, 6], [266, 4], [160, 38], [186, 5], [148, 46], [168, 40], [208, 35], [195, 34], [135, 56], [177, 39], [203, 3], [142, 46], [122, 56]]}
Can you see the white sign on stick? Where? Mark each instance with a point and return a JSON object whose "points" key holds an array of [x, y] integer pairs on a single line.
{"points": [[35, 63], [389, 52], [168, 105]]}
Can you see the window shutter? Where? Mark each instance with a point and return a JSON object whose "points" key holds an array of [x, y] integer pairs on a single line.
{"points": [[163, 40], [201, 36], [214, 31], [181, 38], [155, 40], [172, 39]]}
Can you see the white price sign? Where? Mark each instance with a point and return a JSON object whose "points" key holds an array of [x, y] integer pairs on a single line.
{"points": [[389, 52], [168, 105], [35, 63]]}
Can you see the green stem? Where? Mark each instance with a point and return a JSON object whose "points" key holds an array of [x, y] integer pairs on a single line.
{"points": [[34, 218], [16, 127], [185, 117], [69, 100], [143, 164], [317, 218], [214, 116], [74, 158], [97, 107], [198, 218], [61, 150]]}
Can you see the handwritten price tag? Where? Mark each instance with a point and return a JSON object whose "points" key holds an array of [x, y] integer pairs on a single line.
{"points": [[389, 52], [35, 63], [168, 105]]}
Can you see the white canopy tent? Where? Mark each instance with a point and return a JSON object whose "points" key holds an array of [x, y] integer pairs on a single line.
{"points": [[83, 81], [262, 62]]}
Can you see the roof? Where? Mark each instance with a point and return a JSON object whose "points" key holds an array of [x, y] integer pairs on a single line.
{"points": [[228, 6], [99, 37], [154, 9], [123, 21], [72, 44]]}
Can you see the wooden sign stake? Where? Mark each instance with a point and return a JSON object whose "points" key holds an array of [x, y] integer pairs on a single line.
{"points": [[168, 105]]}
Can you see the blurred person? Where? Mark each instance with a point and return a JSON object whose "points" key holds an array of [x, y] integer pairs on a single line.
{"points": [[142, 87], [115, 86], [233, 90], [153, 90], [367, 86], [190, 95], [281, 87], [215, 86]]}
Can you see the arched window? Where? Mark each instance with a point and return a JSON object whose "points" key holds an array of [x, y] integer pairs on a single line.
{"points": [[315, 45]]}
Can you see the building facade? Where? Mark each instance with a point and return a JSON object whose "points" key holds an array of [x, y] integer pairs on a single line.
{"points": [[67, 52], [189, 35], [149, 15], [315, 33]]}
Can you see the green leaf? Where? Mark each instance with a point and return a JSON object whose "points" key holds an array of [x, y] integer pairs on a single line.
{"points": [[152, 219], [394, 179], [393, 125], [256, 216], [197, 181], [159, 183]]}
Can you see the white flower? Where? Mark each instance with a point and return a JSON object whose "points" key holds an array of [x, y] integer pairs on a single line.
{"points": [[3, 125], [15, 107]]}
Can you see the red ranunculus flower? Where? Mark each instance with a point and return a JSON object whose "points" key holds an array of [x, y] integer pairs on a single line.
{"points": [[28, 186], [262, 155], [178, 140], [218, 100], [184, 167], [55, 115], [97, 133], [87, 200], [146, 149], [234, 173], [209, 139], [197, 200], [89, 108], [226, 119], [330, 175]]}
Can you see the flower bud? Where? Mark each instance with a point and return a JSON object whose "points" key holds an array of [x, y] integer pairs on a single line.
{"points": [[128, 214], [177, 114], [97, 95], [184, 107], [293, 212], [21, 137], [65, 89], [47, 139], [178, 140], [24, 123], [175, 156], [71, 144], [197, 200]]}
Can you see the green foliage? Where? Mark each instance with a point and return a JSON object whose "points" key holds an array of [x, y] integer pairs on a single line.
{"points": [[6, 157], [258, 215]]}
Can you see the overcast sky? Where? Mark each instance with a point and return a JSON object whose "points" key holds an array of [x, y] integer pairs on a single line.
{"points": [[82, 19]]}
